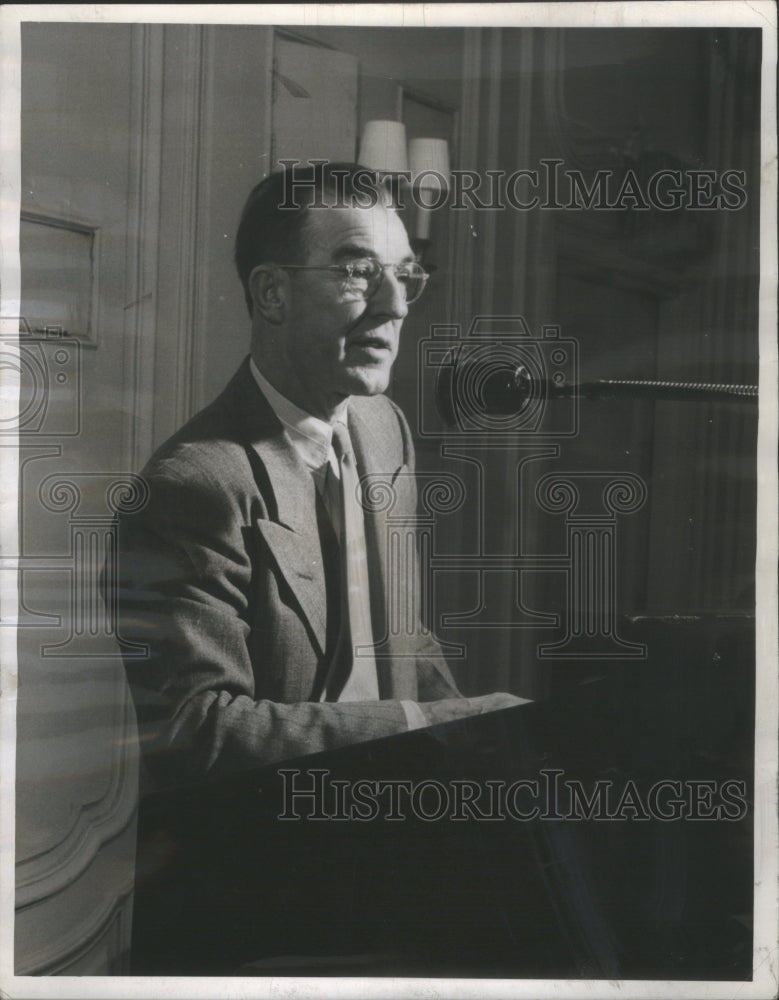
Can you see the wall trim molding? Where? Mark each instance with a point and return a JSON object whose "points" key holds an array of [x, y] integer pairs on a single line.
{"points": [[94, 823], [467, 154], [61, 953], [521, 239], [143, 237], [188, 214], [491, 147], [202, 198]]}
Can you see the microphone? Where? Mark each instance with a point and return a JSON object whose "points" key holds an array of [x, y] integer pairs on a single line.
{"points": [[508, 389]]}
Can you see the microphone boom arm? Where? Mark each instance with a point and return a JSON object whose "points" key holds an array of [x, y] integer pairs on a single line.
{"points": [[656, 389]]}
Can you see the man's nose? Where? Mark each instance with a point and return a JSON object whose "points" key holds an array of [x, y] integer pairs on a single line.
{"points": [[390, 297]]}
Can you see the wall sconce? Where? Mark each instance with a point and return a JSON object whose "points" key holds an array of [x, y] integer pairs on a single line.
{"points": [[383, 148], [429, 160]]}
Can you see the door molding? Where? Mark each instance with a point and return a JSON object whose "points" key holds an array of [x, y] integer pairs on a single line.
{"points": [[143, 238]]}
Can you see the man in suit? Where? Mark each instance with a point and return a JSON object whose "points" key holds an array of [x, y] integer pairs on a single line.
{"points": [[232, 575]]}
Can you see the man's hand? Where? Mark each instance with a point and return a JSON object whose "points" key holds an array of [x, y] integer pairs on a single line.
{"points": [[458, 708]]}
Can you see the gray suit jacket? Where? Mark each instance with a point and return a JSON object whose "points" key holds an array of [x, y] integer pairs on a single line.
{"points": [[225, 575]]}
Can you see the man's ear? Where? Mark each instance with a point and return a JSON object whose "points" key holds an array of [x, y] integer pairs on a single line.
{"points": [[269, 288]]}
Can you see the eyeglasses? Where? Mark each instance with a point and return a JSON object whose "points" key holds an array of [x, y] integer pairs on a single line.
{"points": [[363, 278]]}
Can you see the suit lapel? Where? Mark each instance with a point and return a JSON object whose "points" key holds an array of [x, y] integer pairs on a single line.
{"points": [[291, 531], [294, 540]]}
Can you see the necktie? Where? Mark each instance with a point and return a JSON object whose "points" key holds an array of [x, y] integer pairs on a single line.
{"points": [[352, 676]]}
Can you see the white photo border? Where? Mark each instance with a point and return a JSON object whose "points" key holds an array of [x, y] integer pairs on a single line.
{"points": [[759, 14]]}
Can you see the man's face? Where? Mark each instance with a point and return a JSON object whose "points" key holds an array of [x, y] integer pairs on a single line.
{"points": [[337, 343]]}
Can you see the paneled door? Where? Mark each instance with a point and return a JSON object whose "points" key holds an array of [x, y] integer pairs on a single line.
{"points": [[314, 102]]}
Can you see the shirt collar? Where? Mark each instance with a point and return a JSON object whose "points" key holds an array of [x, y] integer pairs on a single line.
{"points": [[310, 436]]}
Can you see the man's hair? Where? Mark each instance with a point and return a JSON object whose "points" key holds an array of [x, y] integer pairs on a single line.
{"points": [[273, 219]]}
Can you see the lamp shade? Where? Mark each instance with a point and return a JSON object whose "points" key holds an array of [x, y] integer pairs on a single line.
{"points": [[383, 146], [429, 157]]}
